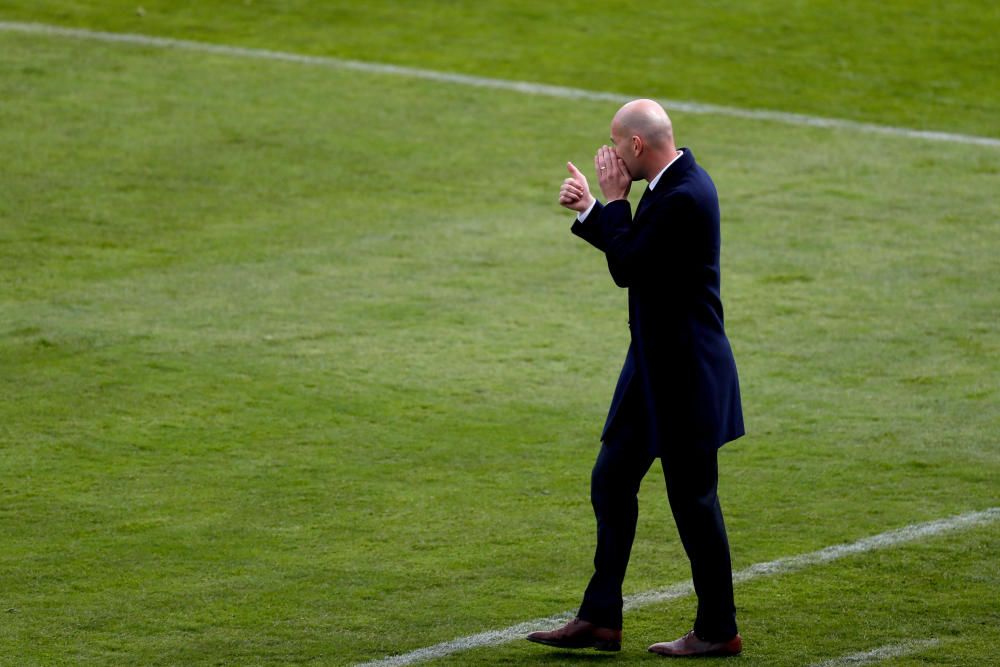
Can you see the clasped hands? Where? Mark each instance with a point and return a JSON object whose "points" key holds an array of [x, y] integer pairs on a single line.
{"points": [[612, 175]]}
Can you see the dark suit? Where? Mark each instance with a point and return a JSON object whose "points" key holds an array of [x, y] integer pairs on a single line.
{"points": [[678, 395]]}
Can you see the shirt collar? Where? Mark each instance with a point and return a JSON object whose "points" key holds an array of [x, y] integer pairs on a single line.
{"points": [[652, 183]]}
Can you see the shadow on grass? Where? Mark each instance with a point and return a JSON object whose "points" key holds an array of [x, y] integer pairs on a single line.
{"points": [[571, 656]]}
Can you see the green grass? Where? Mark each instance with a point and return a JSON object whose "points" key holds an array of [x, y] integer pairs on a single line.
{"points": [[929, 65], [303, 366]]}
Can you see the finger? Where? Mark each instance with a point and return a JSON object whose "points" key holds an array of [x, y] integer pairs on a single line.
{"points": [[609, 157], [573, 183], [624, 168], [573, 170]]}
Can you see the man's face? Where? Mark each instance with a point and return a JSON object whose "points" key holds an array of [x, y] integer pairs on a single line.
{"points": [[625, 149]]}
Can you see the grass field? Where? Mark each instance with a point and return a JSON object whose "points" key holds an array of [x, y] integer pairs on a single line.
{"points": [[303, 366]]}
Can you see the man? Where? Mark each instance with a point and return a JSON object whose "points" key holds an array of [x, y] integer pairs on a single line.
{"points": [[678, 396]]}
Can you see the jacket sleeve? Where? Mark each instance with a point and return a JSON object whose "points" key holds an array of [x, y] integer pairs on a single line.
{"points": [[637, 253], [590, 231]]}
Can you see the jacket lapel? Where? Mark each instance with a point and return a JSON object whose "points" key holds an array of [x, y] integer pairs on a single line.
{"points": [[666, 183]]}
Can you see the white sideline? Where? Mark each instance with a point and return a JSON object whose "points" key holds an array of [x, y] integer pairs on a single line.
{"points": [[525, 87], [890, 538], [879, 654]]}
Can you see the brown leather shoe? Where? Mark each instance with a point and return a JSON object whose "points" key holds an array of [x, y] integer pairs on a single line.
{"points": [[580, 634], [690, 645]]}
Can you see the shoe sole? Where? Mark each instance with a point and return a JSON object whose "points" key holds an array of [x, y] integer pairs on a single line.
{"points": [[708, 654], [609, 646]]}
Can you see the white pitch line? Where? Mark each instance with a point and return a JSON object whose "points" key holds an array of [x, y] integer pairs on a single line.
{"points": [[879, 654], [526, 87], [779, 566], [911, 533]]}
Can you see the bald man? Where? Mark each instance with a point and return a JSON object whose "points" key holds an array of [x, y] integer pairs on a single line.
{"points": [[678, 397]]}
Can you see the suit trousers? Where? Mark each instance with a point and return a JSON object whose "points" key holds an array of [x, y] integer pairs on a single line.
{"points": [[691, 475]]}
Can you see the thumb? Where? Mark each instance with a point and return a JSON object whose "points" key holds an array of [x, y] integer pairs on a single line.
{"points": [[573, 170]]}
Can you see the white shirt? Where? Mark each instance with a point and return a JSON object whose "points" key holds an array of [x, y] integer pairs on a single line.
{"points": [[652, 184]]}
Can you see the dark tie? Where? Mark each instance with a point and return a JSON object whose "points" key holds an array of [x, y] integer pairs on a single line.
{"points": [[643, 202]]}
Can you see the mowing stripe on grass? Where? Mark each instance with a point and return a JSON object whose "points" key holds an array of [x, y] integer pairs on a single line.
{"points": [[879, 654], [911, 533], [525, 87]]}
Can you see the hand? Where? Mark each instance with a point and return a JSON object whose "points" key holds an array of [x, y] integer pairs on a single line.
{"points": [[612, 174], [575, 193]]}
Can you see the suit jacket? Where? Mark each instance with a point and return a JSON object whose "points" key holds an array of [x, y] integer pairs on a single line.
{"points": [[679, 378]]}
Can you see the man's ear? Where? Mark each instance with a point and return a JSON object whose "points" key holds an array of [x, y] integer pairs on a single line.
{"points": [[637, 145]]}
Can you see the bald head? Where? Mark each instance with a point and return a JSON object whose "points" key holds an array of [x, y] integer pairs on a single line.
{"points": [[643, 137], [648, 120]]}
